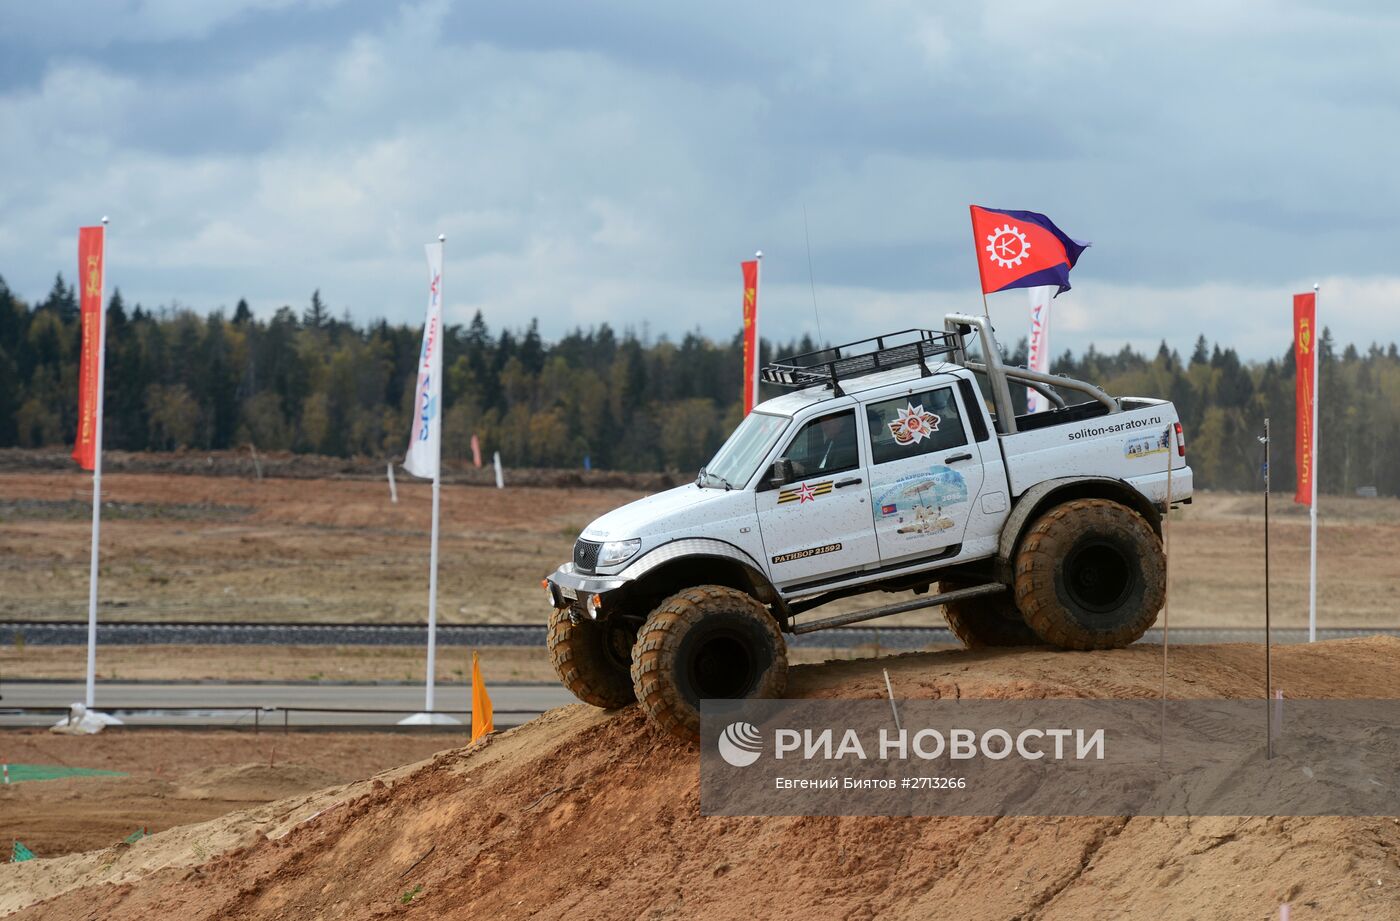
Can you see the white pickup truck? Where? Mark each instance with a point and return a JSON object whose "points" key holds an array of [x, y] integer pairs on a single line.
{"points": [[894, 464]]}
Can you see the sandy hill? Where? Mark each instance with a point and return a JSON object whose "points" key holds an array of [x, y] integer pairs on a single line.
{"points": [[583, 814]]}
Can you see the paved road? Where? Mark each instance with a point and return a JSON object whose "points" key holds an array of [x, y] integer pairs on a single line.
{"points": [[145, 704]]}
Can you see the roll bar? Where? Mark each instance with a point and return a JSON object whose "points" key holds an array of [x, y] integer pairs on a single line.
{"points": [[997, 373]]}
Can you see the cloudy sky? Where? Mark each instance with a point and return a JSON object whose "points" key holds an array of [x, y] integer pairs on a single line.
{"points": [[614, 162]]}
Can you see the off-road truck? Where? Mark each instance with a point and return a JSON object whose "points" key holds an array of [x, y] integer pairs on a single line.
{"points": [[894, 464]]}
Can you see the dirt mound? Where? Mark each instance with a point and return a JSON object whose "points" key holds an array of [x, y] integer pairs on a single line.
{"points": [[584, 814]]}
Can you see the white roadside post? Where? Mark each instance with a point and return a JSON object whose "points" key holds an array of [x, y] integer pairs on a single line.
{"points": [[500, 477], [393, 488], [425, 460], [1312, 508]]}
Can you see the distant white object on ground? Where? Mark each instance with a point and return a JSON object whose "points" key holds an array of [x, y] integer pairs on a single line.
{"points": [[84, 722]]}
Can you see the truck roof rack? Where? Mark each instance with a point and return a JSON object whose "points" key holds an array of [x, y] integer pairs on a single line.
{"points": [[828, 366]]}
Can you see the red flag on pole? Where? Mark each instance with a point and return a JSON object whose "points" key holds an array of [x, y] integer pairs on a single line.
{"points": [[90, 366], [1022, 249], [1305, 359], [750, 334]]}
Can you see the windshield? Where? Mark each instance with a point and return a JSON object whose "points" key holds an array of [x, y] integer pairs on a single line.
{"points": [[739, 457]]}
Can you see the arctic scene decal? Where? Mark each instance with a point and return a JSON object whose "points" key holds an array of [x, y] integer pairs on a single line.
{"points": [[917, 502]]}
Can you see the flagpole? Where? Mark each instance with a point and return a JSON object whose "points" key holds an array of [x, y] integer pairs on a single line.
{"points": [[757, 338], [89, 696], [1312, 508], [429, 414], [432, 593], [430, 688]]}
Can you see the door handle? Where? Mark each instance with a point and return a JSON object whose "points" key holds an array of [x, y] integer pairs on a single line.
{"points": [[954, 458], [851, 481]]}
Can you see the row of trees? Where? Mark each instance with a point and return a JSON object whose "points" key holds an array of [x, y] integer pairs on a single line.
{"points": [[311, 383]]}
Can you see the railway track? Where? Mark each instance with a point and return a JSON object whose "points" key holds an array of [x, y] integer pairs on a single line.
{"points": [[146, 633]]}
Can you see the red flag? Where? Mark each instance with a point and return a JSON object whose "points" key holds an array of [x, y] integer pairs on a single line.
{"points": [[1022, 249], [750, 334], [1305, 359], [90, 364]]}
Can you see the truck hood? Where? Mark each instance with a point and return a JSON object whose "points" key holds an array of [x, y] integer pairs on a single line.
{"points": [[665, 512]]}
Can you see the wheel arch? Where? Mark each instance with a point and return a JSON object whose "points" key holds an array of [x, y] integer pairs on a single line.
{"points": [[697, 561], [1044, 496]]}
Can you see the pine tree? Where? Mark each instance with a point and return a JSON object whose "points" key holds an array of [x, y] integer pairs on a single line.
{"points": [[316, 315]]}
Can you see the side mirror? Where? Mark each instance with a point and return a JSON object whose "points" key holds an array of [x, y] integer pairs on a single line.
{"points": [[779, 473]]}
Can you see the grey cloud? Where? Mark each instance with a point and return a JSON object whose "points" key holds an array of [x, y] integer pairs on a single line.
{"points": [[615, 161]]}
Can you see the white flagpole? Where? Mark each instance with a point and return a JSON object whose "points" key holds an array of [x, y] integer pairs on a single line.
{"points": [[1312, 509], [97, 477], [432, 594], [757, 336], [429, 414], [431, 686]]}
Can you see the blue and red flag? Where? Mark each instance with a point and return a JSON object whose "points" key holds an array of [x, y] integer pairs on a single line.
{"points": [[1022, 249]]}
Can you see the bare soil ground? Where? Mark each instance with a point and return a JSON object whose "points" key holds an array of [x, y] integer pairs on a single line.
{"points": [[184, 547], [176, 778], [587, 814]]}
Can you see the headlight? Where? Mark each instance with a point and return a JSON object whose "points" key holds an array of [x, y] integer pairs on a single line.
{"points": [[615, 552]]}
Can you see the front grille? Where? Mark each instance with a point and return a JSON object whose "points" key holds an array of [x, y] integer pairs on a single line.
{"points": [[586, 555]]}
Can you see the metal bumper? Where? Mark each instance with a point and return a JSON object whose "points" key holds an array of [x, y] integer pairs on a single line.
{"points": [[567, 585]]}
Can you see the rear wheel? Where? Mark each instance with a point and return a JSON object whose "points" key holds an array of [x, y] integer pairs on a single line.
{"points": [[592, 659], [1090, 574], [987, 620], [705, 642]]}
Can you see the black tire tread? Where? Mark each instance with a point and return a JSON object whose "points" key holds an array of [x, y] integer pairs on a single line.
{"points": [[987, 621], [578, 657], [656, 648], [1047, 542]]}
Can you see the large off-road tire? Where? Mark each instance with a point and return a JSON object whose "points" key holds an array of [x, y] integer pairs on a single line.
{"points": [[987, 620], [592, 660], [1090, 574], [705, 642]]}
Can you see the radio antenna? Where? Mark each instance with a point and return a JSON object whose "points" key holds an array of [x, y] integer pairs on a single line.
{"points": [[811, 278]]}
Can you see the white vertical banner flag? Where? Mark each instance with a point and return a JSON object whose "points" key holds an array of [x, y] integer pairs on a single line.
{"points": [[425, 460], [425, 444], [1038, 358]]}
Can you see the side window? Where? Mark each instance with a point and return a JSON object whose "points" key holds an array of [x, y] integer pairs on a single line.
{"points": [[912, 426], [974, 413], [823, 446]]}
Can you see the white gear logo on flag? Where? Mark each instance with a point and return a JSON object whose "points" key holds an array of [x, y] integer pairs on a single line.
{"points": [[1008, 246]]}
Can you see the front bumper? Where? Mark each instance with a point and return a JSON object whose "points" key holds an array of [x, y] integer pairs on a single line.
{"points": [[567, 585]]}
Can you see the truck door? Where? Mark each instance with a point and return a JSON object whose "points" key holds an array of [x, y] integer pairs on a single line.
{"points": [[817, 522], [925, 473]]}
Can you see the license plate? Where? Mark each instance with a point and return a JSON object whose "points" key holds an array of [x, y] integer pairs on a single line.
{"points": [[568, 592]]}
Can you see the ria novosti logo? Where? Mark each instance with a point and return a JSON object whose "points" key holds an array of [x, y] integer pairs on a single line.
{"points": [[740, 744]]}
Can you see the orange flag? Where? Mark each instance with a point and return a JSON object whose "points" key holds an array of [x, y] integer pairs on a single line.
{"points": [[90, 363], [481, 703]]}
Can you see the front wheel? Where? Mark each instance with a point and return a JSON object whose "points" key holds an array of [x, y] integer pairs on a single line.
{"points": [[705, 642], [1090, 574]]}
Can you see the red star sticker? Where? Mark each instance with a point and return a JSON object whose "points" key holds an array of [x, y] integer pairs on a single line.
{"points": [[805, 494]]}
